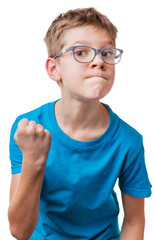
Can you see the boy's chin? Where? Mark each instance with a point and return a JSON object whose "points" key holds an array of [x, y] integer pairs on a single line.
{"points": [[98, 94], [95, 97]]}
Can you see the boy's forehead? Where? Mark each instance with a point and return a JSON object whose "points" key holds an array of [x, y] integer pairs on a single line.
{"points": [[87, 35]]}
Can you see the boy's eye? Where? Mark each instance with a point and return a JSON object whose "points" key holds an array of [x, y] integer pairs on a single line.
{"points": [[80, 53], [109, 54]]}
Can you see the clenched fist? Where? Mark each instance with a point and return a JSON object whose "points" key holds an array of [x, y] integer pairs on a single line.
{"points": [[33, 140]]}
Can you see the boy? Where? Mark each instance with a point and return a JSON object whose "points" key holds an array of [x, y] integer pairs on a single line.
{"points": [[67, 155]]}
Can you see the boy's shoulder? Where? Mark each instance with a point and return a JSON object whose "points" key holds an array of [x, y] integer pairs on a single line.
{"points": [[33, 113], [124, 129], [129, 135], [39, 114]]}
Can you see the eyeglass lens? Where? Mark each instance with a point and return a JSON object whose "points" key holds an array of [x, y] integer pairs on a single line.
{"points": [[86, 54]]}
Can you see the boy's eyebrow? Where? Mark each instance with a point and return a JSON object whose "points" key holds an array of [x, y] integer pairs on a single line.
{"points": [[87, 43]]}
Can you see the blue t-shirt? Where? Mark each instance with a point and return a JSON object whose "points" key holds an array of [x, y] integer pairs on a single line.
{"points": [[77, 199]]}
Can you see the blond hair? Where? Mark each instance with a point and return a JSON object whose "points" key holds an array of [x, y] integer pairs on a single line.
{"points": [[75, 18]]}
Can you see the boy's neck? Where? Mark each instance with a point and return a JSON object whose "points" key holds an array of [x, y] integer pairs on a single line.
{"points": [[75, 117]]}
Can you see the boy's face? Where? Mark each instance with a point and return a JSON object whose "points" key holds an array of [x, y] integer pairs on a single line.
{"points": [[85, 81]]}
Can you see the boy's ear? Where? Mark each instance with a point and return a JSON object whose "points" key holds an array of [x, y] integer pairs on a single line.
{"points": [[51, 69]]}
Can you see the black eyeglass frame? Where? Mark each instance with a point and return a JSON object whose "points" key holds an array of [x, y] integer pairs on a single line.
{"points": [[95, 51]]}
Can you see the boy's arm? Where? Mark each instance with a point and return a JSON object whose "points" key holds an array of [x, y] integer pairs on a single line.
{"points": [[34, 142], [24, 202], [134, 218]]}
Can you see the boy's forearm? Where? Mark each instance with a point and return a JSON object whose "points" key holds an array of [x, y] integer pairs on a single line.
{"points": [[133, 231], [24, 207]]}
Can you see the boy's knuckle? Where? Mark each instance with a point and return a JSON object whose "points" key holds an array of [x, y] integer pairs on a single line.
{"points": [[23, 122], [32, 123], [40, 129], [30, 130], [47, 133]]}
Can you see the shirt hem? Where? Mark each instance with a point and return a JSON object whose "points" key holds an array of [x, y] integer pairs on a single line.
{"points": [[136, 193], [16, 170]]}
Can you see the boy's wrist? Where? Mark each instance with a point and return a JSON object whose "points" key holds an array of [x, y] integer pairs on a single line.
{"points": [[34, 164], [132, 231]]}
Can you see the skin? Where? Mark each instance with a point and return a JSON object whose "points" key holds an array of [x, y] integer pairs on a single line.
{"points": [[81, 116], [134, 218]]}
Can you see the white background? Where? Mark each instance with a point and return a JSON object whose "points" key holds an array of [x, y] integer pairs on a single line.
{"points": [[24, 83]]}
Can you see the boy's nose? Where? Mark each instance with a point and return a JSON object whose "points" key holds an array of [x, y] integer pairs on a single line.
{"points": [[97, 61]]}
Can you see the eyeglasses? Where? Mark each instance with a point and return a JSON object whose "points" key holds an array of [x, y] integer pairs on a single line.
{"points": [[85, 54]]}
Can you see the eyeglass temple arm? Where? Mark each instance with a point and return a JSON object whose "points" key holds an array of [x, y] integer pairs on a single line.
{"points": [[59, 54]]}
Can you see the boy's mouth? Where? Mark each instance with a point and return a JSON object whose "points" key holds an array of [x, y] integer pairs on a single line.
{"points": [[96, 76]]}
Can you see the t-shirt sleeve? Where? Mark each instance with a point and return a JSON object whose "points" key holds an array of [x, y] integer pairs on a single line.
{"points": [[133, 179], [16, 156]]}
